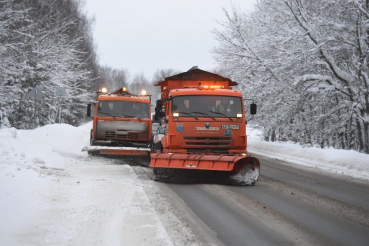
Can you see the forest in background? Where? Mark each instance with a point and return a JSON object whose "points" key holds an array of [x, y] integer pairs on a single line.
{"points": [[49, 44], [305, 62]]}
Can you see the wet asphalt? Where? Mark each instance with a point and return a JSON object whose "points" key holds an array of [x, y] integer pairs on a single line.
{"points": [[234, 226]]}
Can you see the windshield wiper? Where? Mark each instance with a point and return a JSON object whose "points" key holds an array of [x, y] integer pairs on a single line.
{"points": [[108, 114], [188, 114], [204, 114], [132, 116], [222, 114]]}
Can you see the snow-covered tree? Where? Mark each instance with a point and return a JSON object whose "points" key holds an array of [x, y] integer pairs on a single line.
{"points": [[112, 79], [306, 64], [45, 44], [160, 75], [138, 83]]}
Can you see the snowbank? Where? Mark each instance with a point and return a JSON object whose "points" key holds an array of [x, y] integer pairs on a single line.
{"points": [[52, 193], [346, 162], [47, 145], [23, 153]]}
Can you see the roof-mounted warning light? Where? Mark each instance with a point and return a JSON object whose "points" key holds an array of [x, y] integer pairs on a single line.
{"points": [[211, 87]]}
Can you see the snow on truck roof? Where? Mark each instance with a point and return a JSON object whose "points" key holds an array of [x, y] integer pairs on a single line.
{"points": [[203, 92]]}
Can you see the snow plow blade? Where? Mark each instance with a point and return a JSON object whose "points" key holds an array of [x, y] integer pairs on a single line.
{"points": [[238, 169], [103, 150]]}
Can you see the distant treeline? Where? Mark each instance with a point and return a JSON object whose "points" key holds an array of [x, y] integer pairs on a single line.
{"points": [[49, 44]]}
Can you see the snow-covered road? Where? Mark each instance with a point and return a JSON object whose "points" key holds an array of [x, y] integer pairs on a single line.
{"points": [[51, 193]]}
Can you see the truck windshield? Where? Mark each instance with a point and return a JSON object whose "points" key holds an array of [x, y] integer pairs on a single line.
{"points": [[123, 109], [207, 106]]}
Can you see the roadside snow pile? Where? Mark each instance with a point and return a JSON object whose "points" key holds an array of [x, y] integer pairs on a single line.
{"points": [[23, 153], [45, 146], [52, 193], [346, 162]]}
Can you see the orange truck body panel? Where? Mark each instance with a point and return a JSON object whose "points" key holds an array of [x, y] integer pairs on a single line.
{"points": [[128, 137], [198, 147], [195, 132]]}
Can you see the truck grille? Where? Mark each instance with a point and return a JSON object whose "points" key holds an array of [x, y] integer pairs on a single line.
{"points": [[212, 150], [110, 134], [208, 141], [204, 138], [130, 135]]}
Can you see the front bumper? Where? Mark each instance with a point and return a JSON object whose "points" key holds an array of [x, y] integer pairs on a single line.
{"points": [[106, 150]]}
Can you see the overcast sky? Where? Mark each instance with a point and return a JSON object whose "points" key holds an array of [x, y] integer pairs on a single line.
{"points": [[146, 35]]}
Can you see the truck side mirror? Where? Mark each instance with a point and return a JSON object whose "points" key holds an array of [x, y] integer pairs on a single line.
{"points": [[89, 110], [253, 108], [159, 105], [156, 117], [158, 110]]}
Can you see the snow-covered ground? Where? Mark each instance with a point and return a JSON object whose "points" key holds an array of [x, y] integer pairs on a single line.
{"points": [[345, 162], [51, 193]]}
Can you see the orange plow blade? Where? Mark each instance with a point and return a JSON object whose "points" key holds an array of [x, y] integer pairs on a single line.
{"points": [[194, 161], [238, 169], [105, 150]]}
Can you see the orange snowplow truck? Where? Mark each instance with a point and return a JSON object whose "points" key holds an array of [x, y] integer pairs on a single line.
{"points": [[205, 127], [121, 124]]}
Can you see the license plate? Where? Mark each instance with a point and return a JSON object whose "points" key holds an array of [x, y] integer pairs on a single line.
{"points": [[234, 127]]}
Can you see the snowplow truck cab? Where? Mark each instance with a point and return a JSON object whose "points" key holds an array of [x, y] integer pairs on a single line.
{"points": [[121, 124], [205, 127]]}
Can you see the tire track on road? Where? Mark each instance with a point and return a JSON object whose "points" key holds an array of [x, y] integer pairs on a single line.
{"points": [[330, 228], [274, 212]]}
